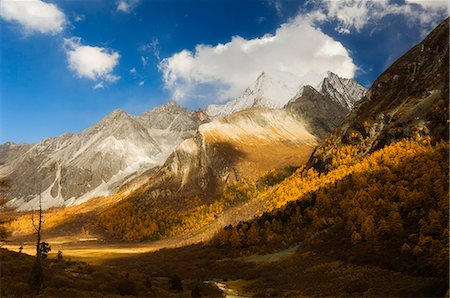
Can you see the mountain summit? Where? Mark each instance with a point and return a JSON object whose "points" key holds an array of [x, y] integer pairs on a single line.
{"points": [[344, 91], [276, 89], [269, 90]]}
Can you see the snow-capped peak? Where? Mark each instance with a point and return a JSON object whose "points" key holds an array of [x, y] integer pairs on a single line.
{"points": [[271, 89], [344, 91], [275, 89]]}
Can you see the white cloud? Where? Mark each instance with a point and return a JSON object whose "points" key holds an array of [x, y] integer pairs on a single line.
{"points": [[133, 71], [94, 63], [33, 15], [99, 85], [141, 83], [126, 5], [220, 72], [354, 15]]}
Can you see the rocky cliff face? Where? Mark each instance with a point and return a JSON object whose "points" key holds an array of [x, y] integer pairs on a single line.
{"points": [[320, 112], [410, 99], [73, 168], [345, 92]]}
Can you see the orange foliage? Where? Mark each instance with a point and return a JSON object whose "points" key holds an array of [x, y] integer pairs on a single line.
{"points": [[144, 220], [395, 198]]}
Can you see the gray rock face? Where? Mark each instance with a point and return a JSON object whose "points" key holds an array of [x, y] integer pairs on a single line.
{"points": [[320, 112], [346, 92], [73, 168], [194, 169]]}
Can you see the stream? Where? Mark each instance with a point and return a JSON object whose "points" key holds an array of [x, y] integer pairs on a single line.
{"points": [[227, 292]]}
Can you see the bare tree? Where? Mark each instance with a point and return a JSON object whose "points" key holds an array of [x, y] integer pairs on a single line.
{"points": [[36, 277], [38, 227]]}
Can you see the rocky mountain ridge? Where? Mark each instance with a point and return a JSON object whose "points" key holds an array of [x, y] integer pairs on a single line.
{"points": [[346, 92], [269, 90], [73, 168]]}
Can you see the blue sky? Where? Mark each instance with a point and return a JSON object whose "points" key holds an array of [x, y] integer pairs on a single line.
{"points": [[67, 67]]}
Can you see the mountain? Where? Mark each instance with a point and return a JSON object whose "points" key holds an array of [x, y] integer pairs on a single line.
{"points": [[269, 90], [73, 168], [276, 89], [409, 99], [346, 92], [320, 112]]}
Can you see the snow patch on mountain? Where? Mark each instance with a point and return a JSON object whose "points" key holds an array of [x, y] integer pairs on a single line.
{"points": [[270, 90]]}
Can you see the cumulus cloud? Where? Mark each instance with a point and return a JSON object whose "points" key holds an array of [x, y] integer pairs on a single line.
{"points": [[220, 72], [126, 5], [33, 15], [354, 15], [94, 63]]}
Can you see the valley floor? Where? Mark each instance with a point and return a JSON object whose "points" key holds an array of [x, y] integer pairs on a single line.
{"points": [[298, 271], [96, 247]]}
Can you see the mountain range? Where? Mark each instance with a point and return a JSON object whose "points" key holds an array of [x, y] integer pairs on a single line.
{"points": [[73, 168], [170, 150]]}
